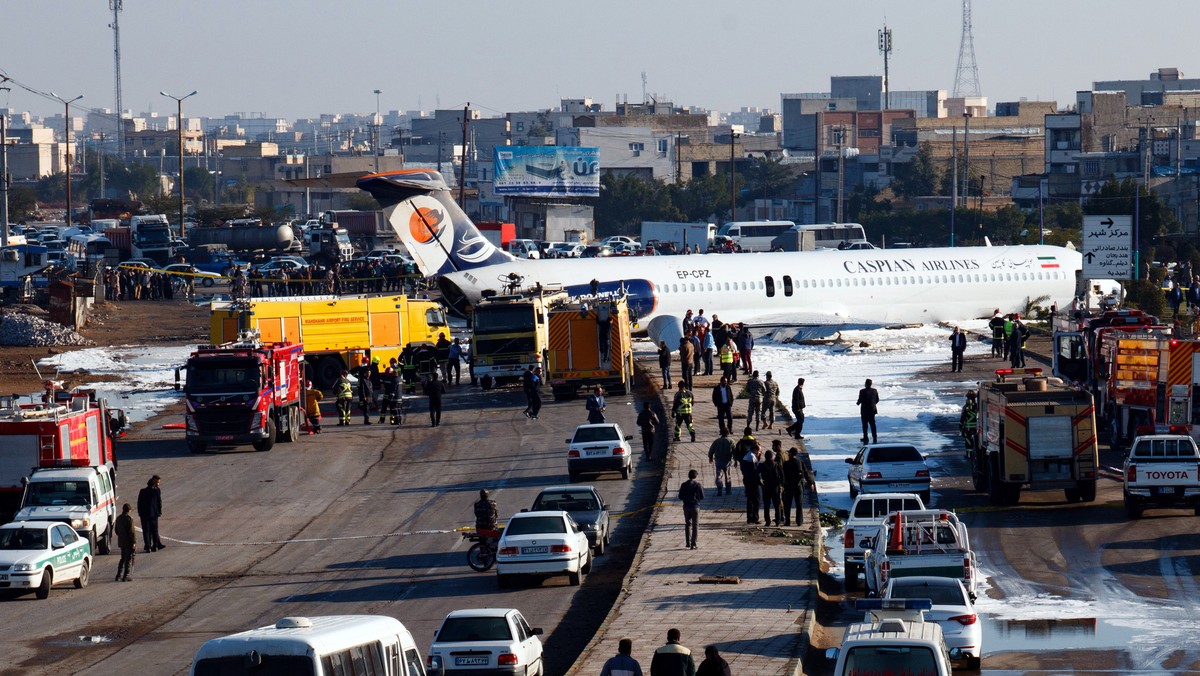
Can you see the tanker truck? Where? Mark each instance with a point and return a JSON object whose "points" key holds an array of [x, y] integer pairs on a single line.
{"points": [[247, 234]]}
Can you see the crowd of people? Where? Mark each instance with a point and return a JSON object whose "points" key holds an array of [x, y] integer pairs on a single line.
{"points": [[130, 283]]}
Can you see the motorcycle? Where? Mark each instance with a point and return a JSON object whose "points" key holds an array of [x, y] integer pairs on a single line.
{"points": [[482, 555]]}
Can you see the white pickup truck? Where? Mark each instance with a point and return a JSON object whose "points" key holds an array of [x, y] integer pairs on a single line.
{"points": [[924, 542], [1162, 470], [862, 524]]}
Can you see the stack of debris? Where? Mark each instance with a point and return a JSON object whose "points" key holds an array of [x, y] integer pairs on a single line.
{"points": [[28, 331]]}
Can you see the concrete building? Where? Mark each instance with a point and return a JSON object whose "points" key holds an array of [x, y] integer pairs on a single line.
{"points": [[1151, 91], [866, 90]]}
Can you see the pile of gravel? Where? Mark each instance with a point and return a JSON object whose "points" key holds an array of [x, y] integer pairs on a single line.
{"points": [[29, 331]]}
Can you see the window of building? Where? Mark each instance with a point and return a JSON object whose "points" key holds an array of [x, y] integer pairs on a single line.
{"points": [[663, 145], [520, 126], [637, 146]]}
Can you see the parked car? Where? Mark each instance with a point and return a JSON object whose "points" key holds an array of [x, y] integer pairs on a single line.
{"points": [[585, 505], [888, 468], [203, 278], [599, 448], [596, 251], [40, 554], [627, 249], [565, 250], [486, 640], [953, 609], [142, 263], [544, 544], [614, 240]]}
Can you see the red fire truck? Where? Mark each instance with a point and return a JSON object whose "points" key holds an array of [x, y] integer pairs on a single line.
{"points": [[243, 392], [66, 429]]}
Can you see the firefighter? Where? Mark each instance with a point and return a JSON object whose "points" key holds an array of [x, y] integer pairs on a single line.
{"points": [[682, 410], [391, 389], [996, 324], [366, 392], [968, 420], [312, 407], [345, 398]]}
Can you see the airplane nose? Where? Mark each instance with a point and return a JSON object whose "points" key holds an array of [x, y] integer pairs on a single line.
{"points": [[453, 296]]}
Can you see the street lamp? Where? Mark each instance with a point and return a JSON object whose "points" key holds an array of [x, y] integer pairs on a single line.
{"points": [[67, 137], [377, 125], [179, 128]]}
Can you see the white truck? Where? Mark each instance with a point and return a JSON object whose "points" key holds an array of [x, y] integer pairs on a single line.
{"points": [[893, 638], [920, 542], [685, 236], [862, 524], [1162, 470], [84, 497]]}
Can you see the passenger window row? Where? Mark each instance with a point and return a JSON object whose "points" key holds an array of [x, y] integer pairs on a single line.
{"points": [[769, 286]]}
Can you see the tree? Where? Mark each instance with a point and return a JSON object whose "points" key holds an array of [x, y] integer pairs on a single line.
{"points": [[198, 183], [625, 201], [361, 201], [767, 177], [918, 177], [52, 188], [701, 197], [22, 203]]}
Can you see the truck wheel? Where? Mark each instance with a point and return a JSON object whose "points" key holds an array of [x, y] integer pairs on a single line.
{"points": [[995, 488], [1072, 494], [290, 428], [327, 371], [268, 443], [1087, 491], [851, 577], [85, 571], [925, 497], [105, 541], [196, 446], [43, 590], [1133, 509]]}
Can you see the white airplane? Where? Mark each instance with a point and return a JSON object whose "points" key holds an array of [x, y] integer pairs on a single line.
{"points": [[863, 288]]}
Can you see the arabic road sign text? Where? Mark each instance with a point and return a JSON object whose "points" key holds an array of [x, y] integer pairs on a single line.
{"points": [[1107, 247]]}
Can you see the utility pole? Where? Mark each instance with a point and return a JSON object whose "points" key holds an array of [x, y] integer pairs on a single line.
{"points": [[841, 141], [953, 179], [4, 178], [179, 128], [100, 163], [377, 124], [678, 161], [441, 140], [462, 181], [966, 195], [67, 140], [732, 193]]}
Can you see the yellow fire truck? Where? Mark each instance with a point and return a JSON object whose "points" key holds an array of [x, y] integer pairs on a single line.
{"points": [[1034, 432], [508, 334], [336, 331], [590, 343]]}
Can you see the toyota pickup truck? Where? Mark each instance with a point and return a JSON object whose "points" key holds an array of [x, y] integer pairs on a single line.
{"points": [[862, 524], [920, 542], [1162, 470]]}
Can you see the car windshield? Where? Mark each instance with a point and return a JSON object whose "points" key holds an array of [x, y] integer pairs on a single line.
{"points": [[459, 629], [49, 493], [224, 376], [587, 434], [534, 525], [22, 538], [567, 502], [890, 659], [939, 595], [894, 454], [879, 508]]}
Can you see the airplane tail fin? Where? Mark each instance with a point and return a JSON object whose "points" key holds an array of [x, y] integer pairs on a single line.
{"points": [[421, 210]]}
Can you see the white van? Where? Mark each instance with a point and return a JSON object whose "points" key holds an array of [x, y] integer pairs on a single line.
{"points": [[754, 235], [321, 646], [893, 636], [524, 248]]}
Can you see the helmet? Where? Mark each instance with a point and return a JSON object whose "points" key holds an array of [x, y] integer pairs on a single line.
{"points": [[970, 394], [374, 360]]}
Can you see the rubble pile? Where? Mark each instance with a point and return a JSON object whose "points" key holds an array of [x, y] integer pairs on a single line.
{"points": [[29, 331]]}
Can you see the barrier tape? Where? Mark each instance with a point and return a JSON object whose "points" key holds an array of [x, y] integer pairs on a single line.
{"points": [[265, 280]]}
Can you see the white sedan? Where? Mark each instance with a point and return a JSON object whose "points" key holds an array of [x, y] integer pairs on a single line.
{"points": [[544, 544], [486, 640], [36, 555], [953, 610], [202, 277], [600, 447]]}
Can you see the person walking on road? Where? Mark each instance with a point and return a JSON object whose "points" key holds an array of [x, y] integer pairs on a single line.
{"points": [[686, 353], [770, 396], [793, 488], [673, 659], [726, 352], [664, 363], [713, 664], [595, 406], [149, 507], [389, 382], [868, 407], [622, 664], [435, 389], [454, 364], [344, 393], [796, 429], [691, 492], [531, 382], [747, 452], [722, 397], [126, 542], [312, 407], [720, 455], [366, 394], [681, 409], [958, 345], [770, 473], [755, 391], [648, 421]]}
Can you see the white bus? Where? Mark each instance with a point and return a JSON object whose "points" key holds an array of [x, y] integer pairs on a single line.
{"points": [[350, 645], [754, 235], [837, 235]]}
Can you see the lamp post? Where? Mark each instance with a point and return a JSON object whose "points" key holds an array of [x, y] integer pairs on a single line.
{"points": [[376, 125], [966, 193], [67, 137], [179, 128]]}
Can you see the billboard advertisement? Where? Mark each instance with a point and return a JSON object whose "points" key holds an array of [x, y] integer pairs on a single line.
{"points": [[542, 171]]}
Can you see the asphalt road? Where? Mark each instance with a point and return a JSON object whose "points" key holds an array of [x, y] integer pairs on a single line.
{"points": [[355, 520], [1108, 595]]}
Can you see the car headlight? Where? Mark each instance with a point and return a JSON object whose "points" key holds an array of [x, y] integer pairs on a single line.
{"points": [[589, 525], [22, 567], [80, 523]]}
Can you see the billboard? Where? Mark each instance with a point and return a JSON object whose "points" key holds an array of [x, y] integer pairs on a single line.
{"points": [[542, 171]]}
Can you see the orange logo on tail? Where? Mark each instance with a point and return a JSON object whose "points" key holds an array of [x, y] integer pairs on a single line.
{"points": [[425, 224]]}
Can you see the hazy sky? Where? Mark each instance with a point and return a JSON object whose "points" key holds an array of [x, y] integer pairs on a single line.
{"points": [[299, 58]]}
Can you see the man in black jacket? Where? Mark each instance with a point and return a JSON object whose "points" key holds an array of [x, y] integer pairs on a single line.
{"points": [[673, 659], [149, 507], [690, 494], [793, 490], [722, 396], [868, 407], [434, 389], [796, 429], [747, 452]]}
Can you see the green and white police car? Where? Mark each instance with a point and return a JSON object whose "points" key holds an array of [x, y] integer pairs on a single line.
{"points": [[36, 555]]}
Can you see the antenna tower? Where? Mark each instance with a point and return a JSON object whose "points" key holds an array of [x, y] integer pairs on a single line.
{"points": [[116, 6], [966, 76], [885, 48]]}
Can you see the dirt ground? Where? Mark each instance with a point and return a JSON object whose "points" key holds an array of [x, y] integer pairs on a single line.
{"points": [[119, 323]]}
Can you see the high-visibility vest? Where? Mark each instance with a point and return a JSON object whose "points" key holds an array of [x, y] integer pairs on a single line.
{"points": [[683, 404], [343, 390], [726, 355]]}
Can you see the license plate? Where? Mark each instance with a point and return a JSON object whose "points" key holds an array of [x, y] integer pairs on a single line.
{"points": [[470, 661], [535, 550], [597, 451], [224, 437], [3, 576], [1164, 490], [896, 485]]}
